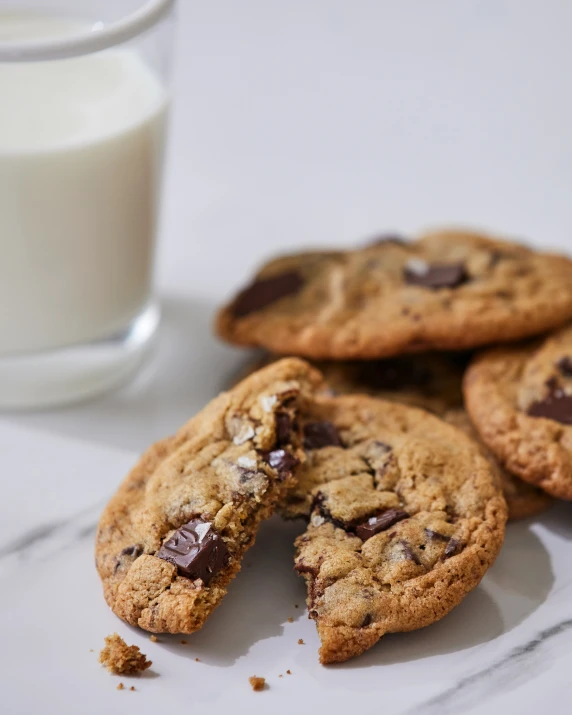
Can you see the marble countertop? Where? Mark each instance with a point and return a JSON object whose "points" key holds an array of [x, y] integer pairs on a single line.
{"points": [[505, 649], [297, 124]]}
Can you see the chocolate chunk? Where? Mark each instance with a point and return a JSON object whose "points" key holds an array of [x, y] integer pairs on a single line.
{"points": [[556, 406], [367, 620], [435, 275], [408, 552], [321, 434], [383, 521], [196, 550], [553, 384], [265, 291], [281, 460], [135, 550], [435, 535], [453, 547], [283, 427], [565, 366], [127, 556]]}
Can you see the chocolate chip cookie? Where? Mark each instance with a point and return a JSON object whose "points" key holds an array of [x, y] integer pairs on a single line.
{"points": [[174, 534], [520, 401], [449, 290], [405, 519], [432, 381]]}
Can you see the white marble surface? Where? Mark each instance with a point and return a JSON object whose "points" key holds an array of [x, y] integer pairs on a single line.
{"points": [[503, 650], [306, 122]]}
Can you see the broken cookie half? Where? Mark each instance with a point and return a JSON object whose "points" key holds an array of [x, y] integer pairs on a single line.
{"points": [[173, 536], [405, 517]]}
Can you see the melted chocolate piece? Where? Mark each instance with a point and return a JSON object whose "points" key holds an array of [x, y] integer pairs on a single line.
{"points": [[321, 434], [565, 366], [453, 547], [556, 406], [435, 275], [196, 550], [553, 384], [283, 427], [135, 550], [281, 460], [383, 521], [368, 618], [408, 552], [265, 291]]}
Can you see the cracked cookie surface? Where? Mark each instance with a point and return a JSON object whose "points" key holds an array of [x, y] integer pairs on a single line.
{"points": [[174, 534], [520, 400], [405, 519], [450, 290], [432, 381]]}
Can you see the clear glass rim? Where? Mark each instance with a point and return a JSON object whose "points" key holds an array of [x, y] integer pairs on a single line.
{"points": [[145, 17]]}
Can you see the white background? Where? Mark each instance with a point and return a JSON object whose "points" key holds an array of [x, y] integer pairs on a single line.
{"points": [[306, 122]]}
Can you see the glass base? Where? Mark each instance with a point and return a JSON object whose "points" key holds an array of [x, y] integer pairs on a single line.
{"points": [[58, 377]]}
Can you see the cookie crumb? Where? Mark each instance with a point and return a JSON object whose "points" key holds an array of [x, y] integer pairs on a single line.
{"points": [[197, 660], [290, 619], [280, 676], [118, 657], [301, 642], [289, 672], [120, 686], [183, 642], [91, 650], [132, 687], [153, 639], [295, 605], [257, 683]]}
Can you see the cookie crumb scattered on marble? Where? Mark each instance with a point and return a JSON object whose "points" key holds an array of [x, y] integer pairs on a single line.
{"points": [[183, 642], [118, 657], [153, 639], [290, 619], [132, 688], [120, 686], [257, 683], [300, 641], [289, 672]]}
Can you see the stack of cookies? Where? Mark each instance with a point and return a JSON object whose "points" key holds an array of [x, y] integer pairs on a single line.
{"points": [[434, 398]]}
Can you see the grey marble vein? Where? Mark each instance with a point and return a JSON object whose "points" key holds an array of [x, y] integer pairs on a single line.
{"points": [[47, 540], [502, 675]]}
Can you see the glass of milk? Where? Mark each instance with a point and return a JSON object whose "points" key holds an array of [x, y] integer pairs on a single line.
{"points": [[82, 132]]}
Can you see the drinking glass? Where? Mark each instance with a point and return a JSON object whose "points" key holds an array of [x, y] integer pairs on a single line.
{"points": [[85, 99]]}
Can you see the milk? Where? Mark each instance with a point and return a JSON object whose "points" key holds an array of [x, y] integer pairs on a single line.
{"points": [[80, 162]]}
